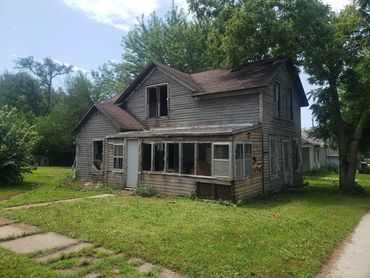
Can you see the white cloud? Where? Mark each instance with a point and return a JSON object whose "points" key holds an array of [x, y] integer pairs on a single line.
{"points": [[120, 14], [337, 5]]}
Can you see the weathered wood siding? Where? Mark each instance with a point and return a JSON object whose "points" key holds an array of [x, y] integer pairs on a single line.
{"points": [[96, 127], [279, 128], [250, 187], [186, 110], [114, 176]]}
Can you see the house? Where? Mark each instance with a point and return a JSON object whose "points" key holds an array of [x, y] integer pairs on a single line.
{"points": [[224, 134], [316, 154]]}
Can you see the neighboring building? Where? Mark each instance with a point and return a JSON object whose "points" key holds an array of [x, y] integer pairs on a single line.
{"points": [[40, 160], [228, 134], [316, 155]]}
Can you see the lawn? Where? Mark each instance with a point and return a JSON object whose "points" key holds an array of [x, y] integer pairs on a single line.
{"points": [[289, 234], [44, 184]]}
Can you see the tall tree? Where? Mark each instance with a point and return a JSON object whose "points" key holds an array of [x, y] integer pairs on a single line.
{"points": [[22, 91], [45, 71], [175, 40], [55, 130]]}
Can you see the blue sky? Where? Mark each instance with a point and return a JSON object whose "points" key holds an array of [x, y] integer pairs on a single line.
{"points": [[84, 33]]}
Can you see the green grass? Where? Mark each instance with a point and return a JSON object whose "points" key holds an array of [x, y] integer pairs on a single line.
{"points": [[42, 185], [286, 235]]}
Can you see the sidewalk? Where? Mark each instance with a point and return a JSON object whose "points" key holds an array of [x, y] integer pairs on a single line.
{"points": [[352, 259]]}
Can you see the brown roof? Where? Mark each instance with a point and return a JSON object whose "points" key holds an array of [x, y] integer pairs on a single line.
{"points": [[253, 75], [122, 119]]}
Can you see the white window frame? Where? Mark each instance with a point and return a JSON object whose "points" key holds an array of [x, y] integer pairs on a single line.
{"points": [[118, 157], [274, 175], [243, 143], [218, 159], [158, 103], [92, 155]]}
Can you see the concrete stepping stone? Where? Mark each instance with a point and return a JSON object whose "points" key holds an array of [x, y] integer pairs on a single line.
{"points": [[105, 251], [68, 271], [38, 242], [16, 230], [145, 268], [94, 274], [71, 249], [168, 273], [5, 221]]}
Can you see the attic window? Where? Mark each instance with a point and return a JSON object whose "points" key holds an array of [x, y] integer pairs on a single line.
{"points": [[157, 101], [290, 104]]}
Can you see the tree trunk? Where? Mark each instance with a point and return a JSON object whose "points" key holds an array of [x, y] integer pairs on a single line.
{"points": [[348, 158]]}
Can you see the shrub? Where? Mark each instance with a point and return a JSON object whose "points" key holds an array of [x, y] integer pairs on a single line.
{"points": [[17, 138], [145, 190]]}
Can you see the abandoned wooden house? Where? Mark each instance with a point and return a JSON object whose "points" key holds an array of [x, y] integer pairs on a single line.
{"points": [[224, 134]]}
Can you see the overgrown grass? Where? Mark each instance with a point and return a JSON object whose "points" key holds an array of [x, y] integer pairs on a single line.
{"points": [[287, 235], [45, 184]]}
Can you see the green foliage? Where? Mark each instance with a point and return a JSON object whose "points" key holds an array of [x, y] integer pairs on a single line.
{"points": [[22, 91], [174, 40], [146, 191], [45, 71], [56, 129], [17, 138]]}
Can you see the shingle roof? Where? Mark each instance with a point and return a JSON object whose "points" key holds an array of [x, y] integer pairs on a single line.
{"points": [[253, 75], [120, 118]]}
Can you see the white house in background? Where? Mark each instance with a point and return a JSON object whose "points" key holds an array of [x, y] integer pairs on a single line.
{"points": [[315, 154]]}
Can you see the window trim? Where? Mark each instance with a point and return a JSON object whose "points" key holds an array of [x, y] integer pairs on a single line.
{"points": [[244, 176], [218, 159], [92, 156], [272, 176], [114, 156], [146, 99]]}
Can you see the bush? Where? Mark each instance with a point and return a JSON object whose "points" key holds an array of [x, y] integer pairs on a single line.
{"points": [[146, 191], [17, 138]]}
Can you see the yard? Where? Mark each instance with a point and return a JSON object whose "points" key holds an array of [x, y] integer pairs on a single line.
{"points": [[289, 234]]}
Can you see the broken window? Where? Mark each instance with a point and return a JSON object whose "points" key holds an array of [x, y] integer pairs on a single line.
{"points": [[118, 157], [277, 100], [146, 157], [204, 162], [273, 156], [159, 157], [187, 158], [98, 154], [221, 160], [157, 101], [173, 157], [152, 102], [243, 160]]}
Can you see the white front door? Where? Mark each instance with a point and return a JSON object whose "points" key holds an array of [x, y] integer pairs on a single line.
{"points": [[132, 163], [287, 163]]}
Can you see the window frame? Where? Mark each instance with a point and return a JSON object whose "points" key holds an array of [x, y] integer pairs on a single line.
{"points": [[146, 99], [244, 176], [219, 159], [274, 175], [118, 157], [92, 155]]}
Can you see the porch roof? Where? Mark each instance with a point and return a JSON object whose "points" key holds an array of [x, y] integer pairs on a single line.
{"points": [[204, 130]]}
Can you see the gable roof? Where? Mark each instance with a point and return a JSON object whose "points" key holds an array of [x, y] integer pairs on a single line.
{"points": [[119, 117], [253, 75]]}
